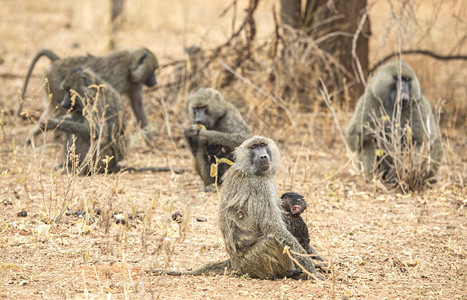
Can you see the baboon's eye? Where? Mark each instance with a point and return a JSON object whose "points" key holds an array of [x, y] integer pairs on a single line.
{"points": [[253, 146], [263, 145], [142, 58], [406, 78]]}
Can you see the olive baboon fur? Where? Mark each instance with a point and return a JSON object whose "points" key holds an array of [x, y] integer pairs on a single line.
{"points": [[224, 128], [95, 126], [250, 219], [126, 71], [393, 98]]}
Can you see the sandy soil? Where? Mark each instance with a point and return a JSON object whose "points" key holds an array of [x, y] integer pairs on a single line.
{"points": [[381, 244]]}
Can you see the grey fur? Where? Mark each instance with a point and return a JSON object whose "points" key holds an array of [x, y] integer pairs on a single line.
{"points": [[99, 128], [251, 218], [229, 129], [251, 222], [377, 101], [126, 71]]}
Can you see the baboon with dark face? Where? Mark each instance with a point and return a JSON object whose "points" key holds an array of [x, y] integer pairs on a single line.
{"points": [[394, 111], [250, 219], [293, 205], [251, 216], [126, 71], [96, 123], [223, 129]]}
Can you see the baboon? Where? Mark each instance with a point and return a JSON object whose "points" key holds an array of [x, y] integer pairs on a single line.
{"points": [[223, 129], [95, 126], [250, 219], [126, 71], [393, 103], [293, 205], [96, 123]]}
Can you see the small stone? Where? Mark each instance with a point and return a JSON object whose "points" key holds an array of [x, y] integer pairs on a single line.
{"points": [[120, 220], [177, 216], [201, 219], [79, 213], [22, 213]]}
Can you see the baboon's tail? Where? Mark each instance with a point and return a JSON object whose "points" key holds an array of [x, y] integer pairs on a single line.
{"points": [[44, 52], [217, 268]]}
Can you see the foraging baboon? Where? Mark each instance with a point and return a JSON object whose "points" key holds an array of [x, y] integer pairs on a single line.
{"points": [[293, 205], [393, 103], [250, 218], [126, 71], [95, 125], [223, 129]]}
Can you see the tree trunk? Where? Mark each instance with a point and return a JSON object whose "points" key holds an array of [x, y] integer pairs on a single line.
{"points": [[320, 18], [116, 20]]}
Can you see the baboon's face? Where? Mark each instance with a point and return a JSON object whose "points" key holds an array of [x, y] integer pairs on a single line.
{"points": [[144, 67], [401, 90], [260, 158], [76, 86], [293, 203], [202, 116], [72, 101]]}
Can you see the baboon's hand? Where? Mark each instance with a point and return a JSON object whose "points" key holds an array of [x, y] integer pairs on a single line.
{"points": [[48, 124], [193, 130], [202, 136]]}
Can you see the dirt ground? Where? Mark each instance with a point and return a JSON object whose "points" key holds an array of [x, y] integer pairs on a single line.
{"points": [[380, 243]]}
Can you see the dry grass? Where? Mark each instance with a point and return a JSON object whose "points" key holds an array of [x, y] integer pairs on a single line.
{"points": [[383, 244]]}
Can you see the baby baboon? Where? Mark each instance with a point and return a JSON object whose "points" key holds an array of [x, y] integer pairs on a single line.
{"points": [[250, 218], [393, 103], [224, 130], [126, 71], [293, 205], [95, 126]]}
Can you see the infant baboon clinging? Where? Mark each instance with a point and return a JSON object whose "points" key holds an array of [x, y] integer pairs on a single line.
{"points": [[95, 125], [293, 205], [393, 111], [250, 218], [224, 130], [126, 71]]}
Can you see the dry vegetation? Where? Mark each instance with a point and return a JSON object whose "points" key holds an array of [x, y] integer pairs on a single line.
{"points": [[381, 243]]}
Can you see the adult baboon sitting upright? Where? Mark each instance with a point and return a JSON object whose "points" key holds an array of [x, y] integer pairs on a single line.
{"points": [[393, 125], [217, 128], [250, 219]]}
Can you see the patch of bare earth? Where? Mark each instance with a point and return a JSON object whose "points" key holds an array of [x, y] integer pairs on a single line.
{"points": [[381, 244]]}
